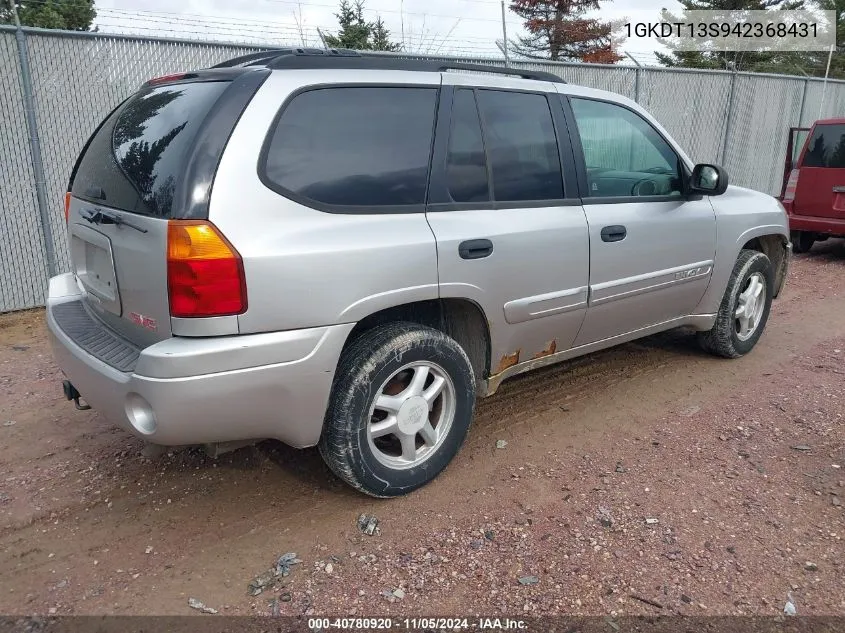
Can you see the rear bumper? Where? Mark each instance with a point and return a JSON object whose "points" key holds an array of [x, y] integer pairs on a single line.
{"points": [[220, 389], [830, 226]]}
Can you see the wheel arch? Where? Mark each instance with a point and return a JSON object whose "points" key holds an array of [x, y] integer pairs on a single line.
{"points": [[462, 319], [777, 248]]}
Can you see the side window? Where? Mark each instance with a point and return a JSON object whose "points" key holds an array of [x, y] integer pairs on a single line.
{"points": [[466, 165], [367, 146], [521, 145], [624, 154], [826, 148]]}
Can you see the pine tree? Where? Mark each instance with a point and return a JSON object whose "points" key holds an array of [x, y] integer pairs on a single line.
{"points": [[354, 31], [358, 34], [69, 15], [558, 30], [381, 37], [816, 62]]}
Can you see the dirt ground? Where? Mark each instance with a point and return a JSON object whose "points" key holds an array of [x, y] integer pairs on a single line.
{"points": [[647, 479]]}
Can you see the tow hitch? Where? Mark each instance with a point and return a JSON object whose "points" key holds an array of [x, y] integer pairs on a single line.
{"points": [[72, 394]]}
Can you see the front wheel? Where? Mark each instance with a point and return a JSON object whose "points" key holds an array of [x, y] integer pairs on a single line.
{"points": [[400, 409], [745, 307]]}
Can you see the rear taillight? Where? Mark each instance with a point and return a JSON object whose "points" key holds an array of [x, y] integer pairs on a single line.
{"points": [[67, 206], [791, 185], [205, 274]]}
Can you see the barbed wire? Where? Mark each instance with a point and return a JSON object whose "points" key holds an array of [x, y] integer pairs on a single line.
{"points": [[513, 21], [389, 11], [297, 32], [226, 24]]}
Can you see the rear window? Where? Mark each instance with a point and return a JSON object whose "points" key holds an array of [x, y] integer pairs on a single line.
{"points": [[355, 146], [135, 160], [826, 147]]}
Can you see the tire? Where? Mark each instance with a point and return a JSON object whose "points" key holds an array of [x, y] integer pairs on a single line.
{"points": [[384, 363], [729, 336], [802, 241]]}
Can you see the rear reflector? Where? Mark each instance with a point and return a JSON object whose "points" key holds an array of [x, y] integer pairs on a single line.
{"points": [[791, 185], [205, 274], [67, 206]]}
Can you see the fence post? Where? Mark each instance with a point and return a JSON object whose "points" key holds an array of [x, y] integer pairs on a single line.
{"points": [[803, 101], [637, 84], [637, 69], [35, 146], [505, 36], [728, 118]]}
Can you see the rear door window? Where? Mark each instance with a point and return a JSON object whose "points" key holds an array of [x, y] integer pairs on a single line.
{"points": [[466, 164], [826, 147], [521, 144], [353, 147], [135, 160]]}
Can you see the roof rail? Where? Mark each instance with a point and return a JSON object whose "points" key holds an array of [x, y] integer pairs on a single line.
{"points": [[342, 58], [263, 57]]}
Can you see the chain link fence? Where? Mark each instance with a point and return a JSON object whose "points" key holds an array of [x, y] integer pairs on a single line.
{"points": [[738, 120], [23, 274]]}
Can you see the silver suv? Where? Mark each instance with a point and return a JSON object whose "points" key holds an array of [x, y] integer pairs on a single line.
{"points": [[342, 250]]}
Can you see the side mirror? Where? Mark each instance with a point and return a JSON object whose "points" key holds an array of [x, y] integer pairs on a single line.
{"points": [[710, 180]]}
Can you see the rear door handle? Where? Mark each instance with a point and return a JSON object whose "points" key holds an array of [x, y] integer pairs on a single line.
{"points": [[475, 249], [615, 233]]}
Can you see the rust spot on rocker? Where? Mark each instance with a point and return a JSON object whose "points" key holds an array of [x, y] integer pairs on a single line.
{"points": [[508, 360], [550, 349]]}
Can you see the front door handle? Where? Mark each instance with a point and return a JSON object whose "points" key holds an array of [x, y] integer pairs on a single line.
{"points": [[475, 249], [615, 233]]}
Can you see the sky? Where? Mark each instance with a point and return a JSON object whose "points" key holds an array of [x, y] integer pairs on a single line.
{"points": [[455, 27]]}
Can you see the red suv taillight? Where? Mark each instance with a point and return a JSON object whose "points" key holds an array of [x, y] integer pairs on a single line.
{"points": [[791, 185], [205, 274], [67, 206]]}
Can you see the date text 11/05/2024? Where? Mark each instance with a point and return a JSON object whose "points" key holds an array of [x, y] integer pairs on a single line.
{"points": [[414, 624]]}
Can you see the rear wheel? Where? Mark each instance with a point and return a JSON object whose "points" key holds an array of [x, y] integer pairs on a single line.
{"points": [[745, 307], [802, 241], [400, 409]]}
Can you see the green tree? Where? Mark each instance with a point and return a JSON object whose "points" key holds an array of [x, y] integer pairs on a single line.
{"points": [[381, 37], [69, 15], [816, 62], [752, 61], [358, 34]]}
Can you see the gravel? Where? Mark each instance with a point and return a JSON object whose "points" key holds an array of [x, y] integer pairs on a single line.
{"points": [[739, 511], [368, 524], [200, 606]]}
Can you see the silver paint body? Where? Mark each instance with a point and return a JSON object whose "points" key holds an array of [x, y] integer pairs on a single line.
{"points": [[311, 276]]}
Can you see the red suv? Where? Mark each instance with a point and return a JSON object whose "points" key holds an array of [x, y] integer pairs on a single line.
{"points": [[814, 185]]}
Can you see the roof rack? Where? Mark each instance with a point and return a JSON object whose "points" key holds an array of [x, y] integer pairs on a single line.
{"points": [[262, 58], [343, 58]]}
